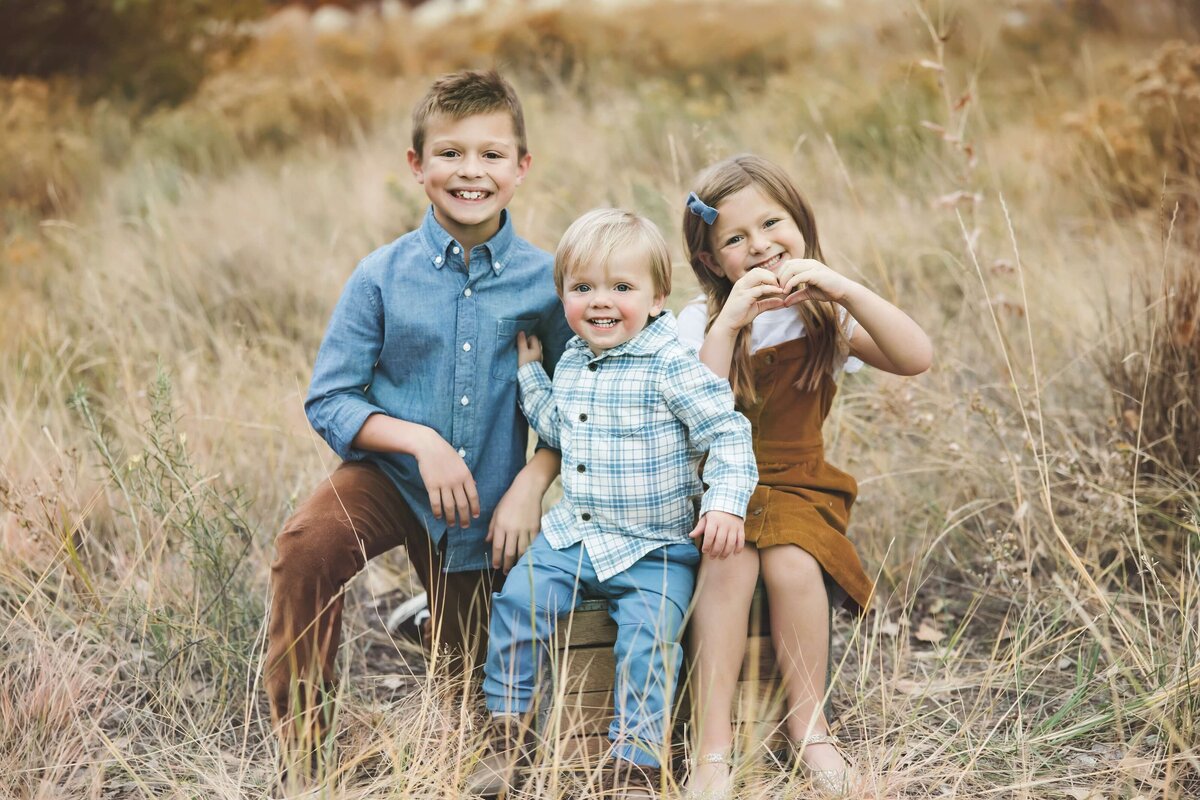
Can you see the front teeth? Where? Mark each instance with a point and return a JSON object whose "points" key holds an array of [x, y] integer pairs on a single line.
{"points": [[772, 261], [470, 195], [604, 323]]}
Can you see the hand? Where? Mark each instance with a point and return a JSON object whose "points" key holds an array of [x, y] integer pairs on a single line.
{"points": [[724, 534], [516, 521], [757, 291], [808, 279], [529, 349], [449, 482]]}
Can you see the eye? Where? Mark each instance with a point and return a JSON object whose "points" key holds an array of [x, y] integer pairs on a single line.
{"points": [[771, 222], [582, 288], [448, 153], [732, 240], [492, 155]]}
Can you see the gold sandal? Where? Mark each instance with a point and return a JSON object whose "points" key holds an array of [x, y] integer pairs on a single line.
{"points": [[829, 782], [710, 793]]}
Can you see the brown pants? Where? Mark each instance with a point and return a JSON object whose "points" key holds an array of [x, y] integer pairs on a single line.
{"points": [[352, 517]]}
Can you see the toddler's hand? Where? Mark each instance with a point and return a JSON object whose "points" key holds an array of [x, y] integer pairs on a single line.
{"points": [[529, 349], [809, 279], [724, 534]]}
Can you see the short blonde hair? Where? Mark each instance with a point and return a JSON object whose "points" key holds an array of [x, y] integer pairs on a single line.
{"points": [[602, 231]]}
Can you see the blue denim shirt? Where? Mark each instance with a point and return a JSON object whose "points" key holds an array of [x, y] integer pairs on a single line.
{"points": [[418, 337]]}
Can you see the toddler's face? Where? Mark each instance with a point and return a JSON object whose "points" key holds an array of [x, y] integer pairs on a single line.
{"points": [[752, 230], [609, 304], [470, 170]]}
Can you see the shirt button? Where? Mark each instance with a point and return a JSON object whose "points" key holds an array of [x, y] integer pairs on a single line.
{"points": [[581, 468], [592, 367], [499, 265], [583, 417], [586, 517], [464, 400], [437, 259], [467, 292], [462, 451], [467, 346], [455, 250]]}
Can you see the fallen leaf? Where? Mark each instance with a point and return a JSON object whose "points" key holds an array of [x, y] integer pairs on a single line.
{"points": [[927, 633]]}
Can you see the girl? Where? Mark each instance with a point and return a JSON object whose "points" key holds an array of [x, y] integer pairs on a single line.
{"points": [[780, 324]]}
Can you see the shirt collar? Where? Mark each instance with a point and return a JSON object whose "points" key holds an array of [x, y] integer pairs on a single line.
{"points": [[650, 339], [437, 241]]}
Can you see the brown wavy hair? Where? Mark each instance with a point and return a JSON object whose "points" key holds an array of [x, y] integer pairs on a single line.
{"points": [[820, 318]]}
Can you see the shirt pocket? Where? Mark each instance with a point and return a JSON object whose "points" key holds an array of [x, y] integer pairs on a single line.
{"points": [[504, 362]]}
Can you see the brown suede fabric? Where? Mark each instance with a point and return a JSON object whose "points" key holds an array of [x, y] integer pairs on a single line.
{"points": [[800, 499], [353, 516]]}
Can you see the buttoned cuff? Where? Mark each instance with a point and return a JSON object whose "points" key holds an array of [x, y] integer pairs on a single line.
{"points": [[731, 501]]}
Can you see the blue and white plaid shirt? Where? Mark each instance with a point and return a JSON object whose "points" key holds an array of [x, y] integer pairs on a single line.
{"points": [[632, 424]]}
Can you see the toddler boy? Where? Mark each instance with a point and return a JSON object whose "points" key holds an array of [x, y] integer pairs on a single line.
{"points": [[632, 411]]}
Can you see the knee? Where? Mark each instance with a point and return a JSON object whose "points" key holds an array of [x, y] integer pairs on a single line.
{"points": [[788, 566], [311, 547]]}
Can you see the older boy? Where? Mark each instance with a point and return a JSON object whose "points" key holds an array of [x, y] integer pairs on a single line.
{"points": [[632, 410], [415, 388]]}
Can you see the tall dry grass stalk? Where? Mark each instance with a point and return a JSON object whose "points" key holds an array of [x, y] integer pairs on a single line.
{"points": [[1037, 617]]}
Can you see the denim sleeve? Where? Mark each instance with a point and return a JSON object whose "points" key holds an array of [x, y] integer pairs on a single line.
{"points": [[337, 403], [704, 403]]}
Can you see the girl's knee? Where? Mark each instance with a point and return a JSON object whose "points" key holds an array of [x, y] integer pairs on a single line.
{"points": [[789, 565]]}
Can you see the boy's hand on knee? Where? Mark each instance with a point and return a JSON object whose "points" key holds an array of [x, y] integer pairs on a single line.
{"points": [[529, 349], [516, 521], [451, 487], [724, 534]]}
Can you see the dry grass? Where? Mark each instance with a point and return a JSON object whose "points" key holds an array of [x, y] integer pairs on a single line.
{"points": [[164, 284]]}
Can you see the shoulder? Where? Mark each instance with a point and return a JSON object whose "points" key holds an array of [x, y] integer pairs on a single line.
{"points": [[524, 257], [691, 323], [380, 262]]}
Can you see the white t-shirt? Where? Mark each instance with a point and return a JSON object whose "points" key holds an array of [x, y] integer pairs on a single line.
{"points": [[770, 328]]}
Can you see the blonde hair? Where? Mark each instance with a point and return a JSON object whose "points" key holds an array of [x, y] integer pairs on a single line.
{"points": [[599, 233], [820, 318], [466, 94]]}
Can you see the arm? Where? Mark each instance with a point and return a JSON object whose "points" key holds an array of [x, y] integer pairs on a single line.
{"points": [[517, 518], [536, 391], [704, 403], [755, 292], [341, 412], [886, 337]]}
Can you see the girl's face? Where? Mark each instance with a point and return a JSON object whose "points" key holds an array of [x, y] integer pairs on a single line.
{"points": [[752, 230], [609, 304]]}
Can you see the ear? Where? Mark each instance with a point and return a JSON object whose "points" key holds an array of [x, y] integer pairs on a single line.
{"points": [[414, 163], [523, 167], [710, 263], [659, 303]]}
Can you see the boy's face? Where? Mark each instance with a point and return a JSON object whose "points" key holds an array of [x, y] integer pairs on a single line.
{"points": [[470, 169], [609, 304]]}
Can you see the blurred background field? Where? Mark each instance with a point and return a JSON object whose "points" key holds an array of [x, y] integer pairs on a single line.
{"points": [[185, 186]]}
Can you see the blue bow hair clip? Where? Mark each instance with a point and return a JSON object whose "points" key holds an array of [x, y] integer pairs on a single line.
{"points": [[701, 210]]}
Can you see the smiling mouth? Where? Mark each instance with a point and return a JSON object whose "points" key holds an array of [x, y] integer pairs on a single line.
{"points": [[603, 322], [470, 194], [771, 262]]}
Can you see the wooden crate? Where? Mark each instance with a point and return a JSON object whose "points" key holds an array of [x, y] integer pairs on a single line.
{"points": [[585, 665]]}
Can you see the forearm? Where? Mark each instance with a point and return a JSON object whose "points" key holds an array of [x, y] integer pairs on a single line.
{"points": [[384, 434], [541, 470], [897, 337], [717, 351], [537, 402]]}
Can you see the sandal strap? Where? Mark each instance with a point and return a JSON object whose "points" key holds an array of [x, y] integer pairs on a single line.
{"points": [[713, 758], [818, 738]]}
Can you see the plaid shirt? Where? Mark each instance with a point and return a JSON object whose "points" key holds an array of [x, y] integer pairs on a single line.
{"points": [[632, 424]]}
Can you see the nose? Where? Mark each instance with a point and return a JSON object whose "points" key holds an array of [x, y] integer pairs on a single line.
{"points": [[601, 299], [471, 166], [759, 242]]}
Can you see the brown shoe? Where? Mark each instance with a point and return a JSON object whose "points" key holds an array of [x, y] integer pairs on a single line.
{"points": [[629, 781], [507, 755]]}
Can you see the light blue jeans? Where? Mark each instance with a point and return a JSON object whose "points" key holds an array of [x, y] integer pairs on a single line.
{"points": [[647, 601]]}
